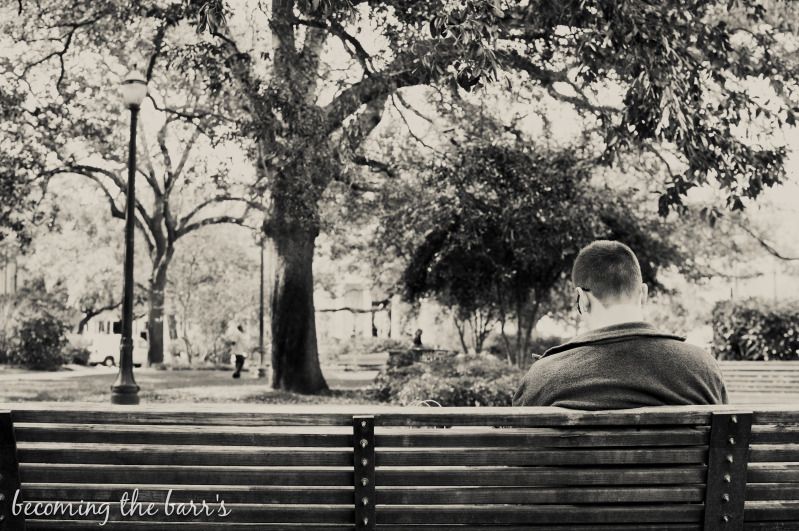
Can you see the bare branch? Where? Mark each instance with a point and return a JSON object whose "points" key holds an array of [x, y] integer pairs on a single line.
{"points": [[183, 159], [66, 43], [161, 139], [218, 200], [374, 165], [410, 129], [216, 220], [374, 87], [770, 248]]}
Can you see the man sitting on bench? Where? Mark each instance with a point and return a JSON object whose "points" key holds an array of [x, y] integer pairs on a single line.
{"points": [[621, 361]]}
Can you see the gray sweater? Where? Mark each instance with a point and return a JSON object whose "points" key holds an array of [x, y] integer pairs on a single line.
{"points": [[623, 366]]}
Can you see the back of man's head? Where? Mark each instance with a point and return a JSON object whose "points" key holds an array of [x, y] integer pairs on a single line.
{"points": [[608, 270]]}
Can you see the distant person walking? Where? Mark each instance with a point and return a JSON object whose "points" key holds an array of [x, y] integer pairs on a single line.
{"points": [[241, 347], [621, 361]]}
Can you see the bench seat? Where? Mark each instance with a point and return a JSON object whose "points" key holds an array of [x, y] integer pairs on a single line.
{"points": [[351, 467]]}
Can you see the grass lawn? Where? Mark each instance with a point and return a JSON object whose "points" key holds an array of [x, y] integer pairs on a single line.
{"points": [[171, 386], [92, 384]]}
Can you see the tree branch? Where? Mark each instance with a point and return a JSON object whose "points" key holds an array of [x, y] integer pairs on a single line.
{"points": [[372, 88], [375, 165], [771, 249], [217, 220]]}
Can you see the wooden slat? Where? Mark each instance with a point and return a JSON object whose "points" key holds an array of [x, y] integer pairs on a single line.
{"points": [[773, 473], [523, 457], [253, 415], [390, 496], [59, 525], [516, 495], [546, 527], [386, 437], [157, 493], [775, 434], [773, 511], [243, 513], [751, 364], [146, 416], [775, 416], [146, 474], [771, 526], [540, 514], [186, 435], [541, 476], [774, 452], [772, 491], [158, 474], [129, 454], [536, 437]]}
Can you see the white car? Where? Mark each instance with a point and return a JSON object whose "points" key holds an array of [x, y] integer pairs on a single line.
{"points": [[104, 350]]}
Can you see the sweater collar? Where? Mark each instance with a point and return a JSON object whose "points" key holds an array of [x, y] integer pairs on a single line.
{"points": [[613, 333]]}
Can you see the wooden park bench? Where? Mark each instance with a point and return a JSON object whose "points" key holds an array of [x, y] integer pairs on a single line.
{"points": [[761, 376], [402, 469]]}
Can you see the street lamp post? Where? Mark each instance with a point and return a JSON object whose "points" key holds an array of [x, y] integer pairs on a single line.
{"points": [[125, 390], [261, 368]]}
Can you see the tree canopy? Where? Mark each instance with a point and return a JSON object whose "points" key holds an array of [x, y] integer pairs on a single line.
{"points": [[497, 229]]}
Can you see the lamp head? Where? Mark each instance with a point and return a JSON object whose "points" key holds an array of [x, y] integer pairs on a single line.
{"points": [[134, 89]]}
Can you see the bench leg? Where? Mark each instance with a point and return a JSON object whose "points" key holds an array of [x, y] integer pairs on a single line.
{"points": [[9, 475]]}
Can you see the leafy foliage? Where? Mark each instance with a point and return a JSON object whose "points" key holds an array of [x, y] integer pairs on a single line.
{"points": [[39, 344], [449, 380], [756, 329], [32, 327], [498, 230]]}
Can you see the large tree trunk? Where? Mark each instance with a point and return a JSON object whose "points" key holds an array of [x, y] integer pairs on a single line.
{"points": [[289, 292], [155, 316]]}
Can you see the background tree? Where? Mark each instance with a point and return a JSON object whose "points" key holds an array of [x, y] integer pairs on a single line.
{"points": [[497, 231], [185, 182]]}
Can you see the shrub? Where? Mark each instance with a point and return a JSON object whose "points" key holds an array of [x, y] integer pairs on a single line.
{"points": [[538, 345], [76, 355], [77, 350], [450, 380], [756, 329], [39, 343]]}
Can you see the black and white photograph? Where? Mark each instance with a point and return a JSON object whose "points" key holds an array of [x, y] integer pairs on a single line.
{"points": [[399, 265]]}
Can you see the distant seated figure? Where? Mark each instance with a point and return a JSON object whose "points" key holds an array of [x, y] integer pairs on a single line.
{"points": [[417, 338], [621, 361]]}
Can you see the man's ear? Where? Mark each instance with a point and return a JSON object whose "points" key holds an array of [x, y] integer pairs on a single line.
{"points": [[583, 302], [644, 294]]}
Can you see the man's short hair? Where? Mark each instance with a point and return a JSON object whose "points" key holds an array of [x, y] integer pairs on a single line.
{"points": [[609, 270]]}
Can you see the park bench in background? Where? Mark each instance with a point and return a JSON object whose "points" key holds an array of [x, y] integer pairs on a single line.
{"points": [[311, 469], [751, 377]]}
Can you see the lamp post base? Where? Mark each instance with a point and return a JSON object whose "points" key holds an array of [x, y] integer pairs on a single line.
{"points": [[125, 395], [125, 389]]}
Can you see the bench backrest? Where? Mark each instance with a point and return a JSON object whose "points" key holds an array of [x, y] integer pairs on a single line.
{"points": [[403, 468], [761, 377]]}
